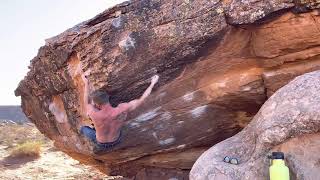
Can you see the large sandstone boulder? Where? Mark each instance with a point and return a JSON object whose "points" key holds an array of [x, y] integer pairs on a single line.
{"points": [[218, 62], [289, 121]]}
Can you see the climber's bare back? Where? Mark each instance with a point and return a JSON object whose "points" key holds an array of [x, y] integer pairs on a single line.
{"points": [[107, 121]]}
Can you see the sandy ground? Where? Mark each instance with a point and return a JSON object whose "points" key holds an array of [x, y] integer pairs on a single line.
{"points": [[52, 164]]}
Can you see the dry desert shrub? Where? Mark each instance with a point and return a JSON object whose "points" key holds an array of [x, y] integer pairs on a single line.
{"points": [[27, 149], [13, 134]]}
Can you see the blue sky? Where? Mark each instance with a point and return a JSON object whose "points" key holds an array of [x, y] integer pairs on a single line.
{"points": [[25, 24]]}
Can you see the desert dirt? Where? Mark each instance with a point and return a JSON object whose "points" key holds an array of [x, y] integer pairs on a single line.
{"points": [[50, 165]]}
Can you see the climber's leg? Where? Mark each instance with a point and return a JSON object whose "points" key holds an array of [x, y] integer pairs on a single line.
{"points": [[89, 133], [98, 147]]}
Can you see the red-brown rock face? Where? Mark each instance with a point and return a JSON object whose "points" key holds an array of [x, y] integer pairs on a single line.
{"points": [[214, 77]]}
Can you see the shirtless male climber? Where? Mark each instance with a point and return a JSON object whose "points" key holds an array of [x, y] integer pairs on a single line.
{"points": [[107, 132]]}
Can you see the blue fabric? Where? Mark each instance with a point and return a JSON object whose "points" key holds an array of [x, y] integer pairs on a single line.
{"points": [[90, 133]]}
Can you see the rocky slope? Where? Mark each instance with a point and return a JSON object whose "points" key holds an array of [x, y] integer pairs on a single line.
{"points": [[218, 62], [51, 163]]}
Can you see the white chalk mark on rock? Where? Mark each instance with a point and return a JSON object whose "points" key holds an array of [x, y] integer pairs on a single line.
{"points": [[166, 116], [180, 122], [167, 141], [161, 95], [59, 114], [148, 116], [243, 76], [78, 146], [117, 22], [188, 97], [160, 126], [127, 43], [154, 134], [187, 1], [247, 88], [173, 178], [134, 124], [221, 84], [198, 111], [181, 146], [65, 138]]}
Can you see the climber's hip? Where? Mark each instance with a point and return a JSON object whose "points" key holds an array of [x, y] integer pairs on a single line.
{"points": [[90, 133]]}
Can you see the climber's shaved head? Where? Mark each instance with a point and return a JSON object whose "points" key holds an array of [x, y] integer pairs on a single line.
{"points": [[100, 97]]}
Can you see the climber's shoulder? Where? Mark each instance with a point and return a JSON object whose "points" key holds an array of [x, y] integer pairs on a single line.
{"points": [[122, 107]]}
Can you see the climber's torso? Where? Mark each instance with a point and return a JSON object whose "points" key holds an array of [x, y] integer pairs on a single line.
{"points": [[107, 122]]}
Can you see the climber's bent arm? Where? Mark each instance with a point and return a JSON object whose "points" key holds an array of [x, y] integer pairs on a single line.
{"points": [[130, 106]]}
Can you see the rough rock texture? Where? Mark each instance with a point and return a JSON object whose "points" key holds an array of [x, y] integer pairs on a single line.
{"points": [[217, 66], [286, 123]]}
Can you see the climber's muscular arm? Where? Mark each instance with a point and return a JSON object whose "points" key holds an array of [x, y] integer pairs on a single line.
{"points": [[129, 106], [88, 107]]}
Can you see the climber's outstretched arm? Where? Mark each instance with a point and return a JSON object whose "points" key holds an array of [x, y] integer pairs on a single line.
{"points": [[88, 107], [129, 106]]}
